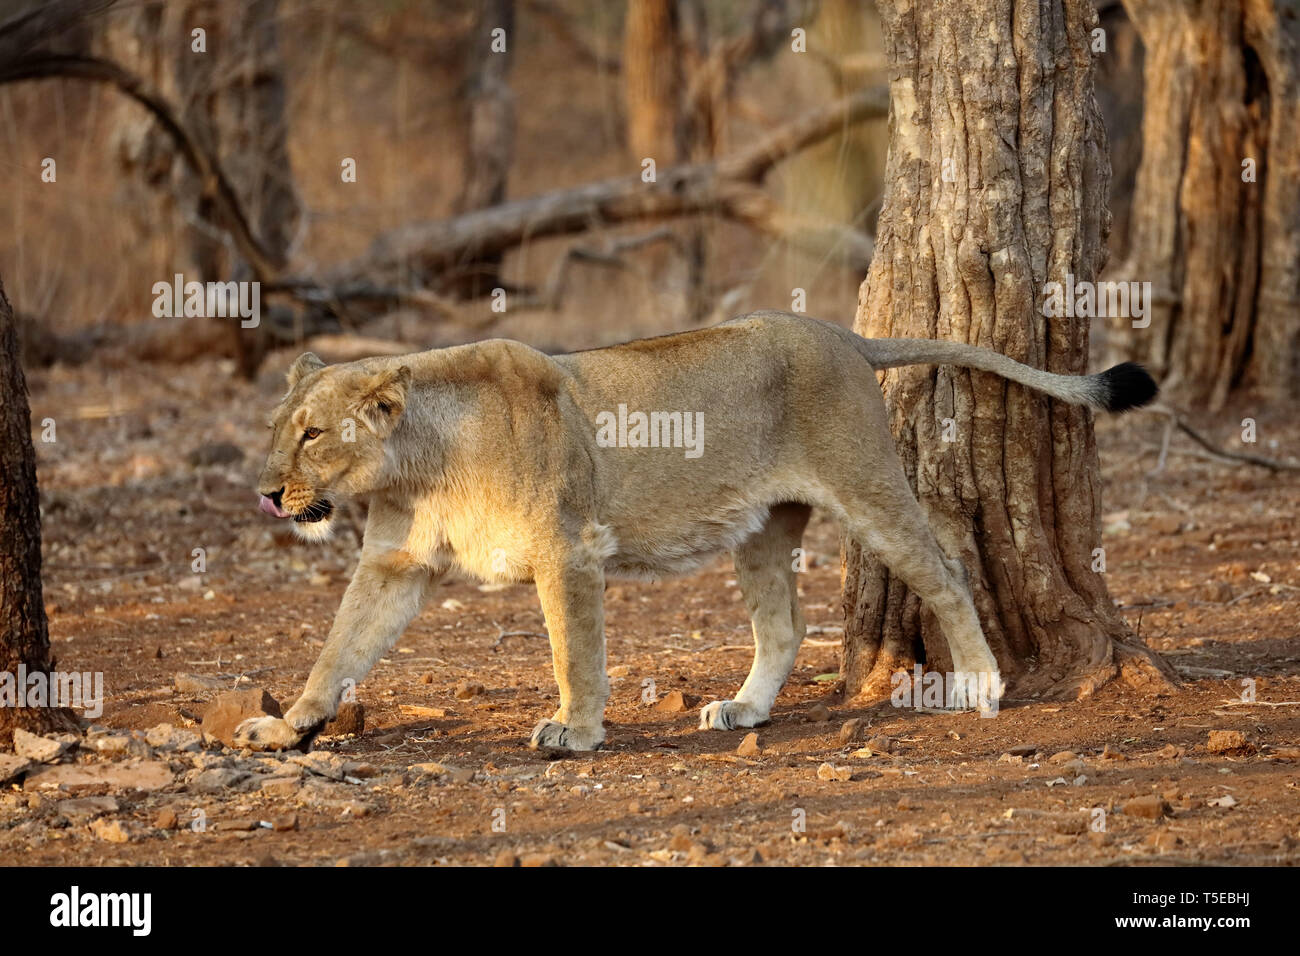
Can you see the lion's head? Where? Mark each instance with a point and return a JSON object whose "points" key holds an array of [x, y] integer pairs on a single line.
{"points": [[328, 440]]}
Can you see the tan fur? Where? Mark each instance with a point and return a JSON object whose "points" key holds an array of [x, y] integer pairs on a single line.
{"points": [[484, 458]]}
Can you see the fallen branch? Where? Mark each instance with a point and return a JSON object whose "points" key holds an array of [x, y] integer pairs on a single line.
{"points": [[728, 187], [1176, 421]]}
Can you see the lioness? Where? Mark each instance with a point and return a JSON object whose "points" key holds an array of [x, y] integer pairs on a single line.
{"points": [[501, 461]]}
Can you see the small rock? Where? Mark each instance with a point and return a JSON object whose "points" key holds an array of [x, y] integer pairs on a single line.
{"points": [[1023, 750], [281, 786], [674, 702], [227, 711], [829, 772], [166, 819], [283, 822], [537, 859], [171, 739], [749, 746], [1226, 802], [38, 748], [1064, 756], [467, 690], [219, 780], [819, 713], [11, 767], [1108, 754], [852, 730], [74, 778], [111, 831], [1162, 840], [431, 767], [109, 744], [881, 744], [1227, 741], [619, 672], [1150, 807], [328, 765], [243, 825], [506, 858], [87, 807], [351, 719]]}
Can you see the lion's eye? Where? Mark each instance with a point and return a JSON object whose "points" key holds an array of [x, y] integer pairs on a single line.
{"points": [[311, 433]]}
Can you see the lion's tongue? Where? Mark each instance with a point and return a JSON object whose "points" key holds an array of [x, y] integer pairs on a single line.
{"points": [[270, 507]]}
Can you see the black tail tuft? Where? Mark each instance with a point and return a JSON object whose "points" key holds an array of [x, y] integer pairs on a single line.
{"points": [[1127, 385]]}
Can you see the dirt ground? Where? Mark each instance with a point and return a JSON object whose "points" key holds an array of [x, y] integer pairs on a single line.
{"points": [[150, 464]]}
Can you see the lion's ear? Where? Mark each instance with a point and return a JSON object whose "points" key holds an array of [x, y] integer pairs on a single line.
{"points": [[381, 399], [305, 364]]}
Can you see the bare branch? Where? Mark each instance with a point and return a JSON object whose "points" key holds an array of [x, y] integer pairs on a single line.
{"points": [[41, 66], [728, 187]]}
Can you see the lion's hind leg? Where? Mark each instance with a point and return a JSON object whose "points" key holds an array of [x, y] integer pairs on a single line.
{"points": [[765, 566]]}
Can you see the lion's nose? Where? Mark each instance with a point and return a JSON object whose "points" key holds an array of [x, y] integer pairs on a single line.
{"points": [[274, 495]]}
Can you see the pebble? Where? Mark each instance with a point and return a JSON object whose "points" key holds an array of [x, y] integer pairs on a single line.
{"points": [[1150, 807], [111, 831], [166, 819], [819, 713], [38, 748], [467, 690], [87, 807], [749, 746], [170, 739], [12, 766], [1226, 741], [74, 778], [852, 730], [830, 772], [218, 780], [674, 702]]}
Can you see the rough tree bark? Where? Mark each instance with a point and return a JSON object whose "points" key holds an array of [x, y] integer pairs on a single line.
{"points": [[652, 81], [234, 100], [1222, 87], [490, 140], [24, 631], [995, 184]]}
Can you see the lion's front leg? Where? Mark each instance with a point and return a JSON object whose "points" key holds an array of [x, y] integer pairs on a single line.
{"points": [[384, 595], [572, 596]]}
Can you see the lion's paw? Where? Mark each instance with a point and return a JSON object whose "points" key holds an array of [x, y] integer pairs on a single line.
{"points": [[550, 733], [730, 714], [272, 733], [976, 690]]}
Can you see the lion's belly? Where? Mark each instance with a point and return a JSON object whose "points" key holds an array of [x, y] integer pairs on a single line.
{"points": [[673, 544]]}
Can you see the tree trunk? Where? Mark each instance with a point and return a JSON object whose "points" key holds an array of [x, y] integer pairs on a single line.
{"points": [[24, 634], [234, 101], [490, 142], [1216, 214], [995, 185], [652, 81]]}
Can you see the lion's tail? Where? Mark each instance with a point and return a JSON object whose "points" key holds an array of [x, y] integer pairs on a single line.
{"points": [[1117, 389]]}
